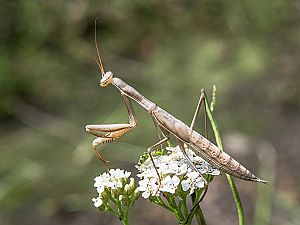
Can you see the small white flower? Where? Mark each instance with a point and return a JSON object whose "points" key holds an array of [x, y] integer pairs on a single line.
{"points": [[126, 187], [185, 184], [182, 169], [149, 187], [169, 184], [97, 202], [100, 180], [100, 189], [193, 181], [193, 175], [119, 174], [143, 184], [214, 172], [200, 182]]}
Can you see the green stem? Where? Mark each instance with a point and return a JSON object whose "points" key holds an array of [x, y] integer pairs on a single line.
{"points": [[182, 202], [200, 217], [172, 203], [229, 178], [197, 210], [125, 213], [125, 221], [109, 209], [112, 198], [237, 199], [160, 202], [122, 214], [120, 210]]}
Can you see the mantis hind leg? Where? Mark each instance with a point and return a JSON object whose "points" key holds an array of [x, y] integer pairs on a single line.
{"points": [[192, 165], [196, 205], [201, 101]]}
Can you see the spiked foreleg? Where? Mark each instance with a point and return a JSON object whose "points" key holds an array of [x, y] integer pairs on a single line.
{"points": [[109, 132]]}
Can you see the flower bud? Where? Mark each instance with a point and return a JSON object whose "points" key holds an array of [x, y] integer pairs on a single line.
{"points": [[129, 188], [136, 194]]}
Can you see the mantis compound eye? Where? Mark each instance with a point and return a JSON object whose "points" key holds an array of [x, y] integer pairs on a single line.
{"points": [[106, 79]]}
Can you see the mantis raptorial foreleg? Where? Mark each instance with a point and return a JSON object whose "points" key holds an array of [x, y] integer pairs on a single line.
{"points": [[105, 134], [110, 132]]}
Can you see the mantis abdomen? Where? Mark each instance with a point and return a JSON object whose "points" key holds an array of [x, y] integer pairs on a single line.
{"points": [[220, 159], [203, 147]]}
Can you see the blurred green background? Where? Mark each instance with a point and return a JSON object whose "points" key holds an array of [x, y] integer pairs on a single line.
{"points": [[168, 50]]}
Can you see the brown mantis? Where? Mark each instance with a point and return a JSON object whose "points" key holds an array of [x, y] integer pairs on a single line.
{"points": [[168, 124]]}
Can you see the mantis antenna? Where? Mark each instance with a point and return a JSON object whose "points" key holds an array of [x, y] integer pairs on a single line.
{"points": [[99, 62]]}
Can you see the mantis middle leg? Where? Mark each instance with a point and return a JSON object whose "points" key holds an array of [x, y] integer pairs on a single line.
{"points": [[181, 144], [110, 132], [166, 137]]}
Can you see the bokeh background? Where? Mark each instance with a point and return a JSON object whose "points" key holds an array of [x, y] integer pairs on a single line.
{"points": [[168, 50]]}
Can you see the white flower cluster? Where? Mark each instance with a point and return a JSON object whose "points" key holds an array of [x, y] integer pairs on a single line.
{"points": [[112, 180], [174, 170]]}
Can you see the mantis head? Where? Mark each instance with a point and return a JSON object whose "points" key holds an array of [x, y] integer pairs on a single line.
{"points": [[107, 79]]}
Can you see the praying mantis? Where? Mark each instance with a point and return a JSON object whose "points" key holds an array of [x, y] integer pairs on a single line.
{"points": [[168, 124]]}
